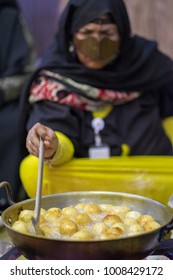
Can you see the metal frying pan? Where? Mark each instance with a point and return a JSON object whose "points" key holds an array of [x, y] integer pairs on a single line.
{"points": [[136, 247]]}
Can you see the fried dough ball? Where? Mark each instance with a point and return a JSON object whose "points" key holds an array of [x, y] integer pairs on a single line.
{"points": [[42, 219], [96, 218], [151, 225], [121, 226], [135, 229], [82, 219], [46, 229], [56, 224], [68, 227], [68, 212], [144, 218], [129, 221], [91, 208], [111, 209], [111, 219], [51, 230], [49, 217], [54, 210], [26, 215], [20, 226], [82, 234], [117, 230], [107, 208], [133, 214], [80, 206], [42, 211], [99, 228], [52, 214], [42, 215], [106, 236]]}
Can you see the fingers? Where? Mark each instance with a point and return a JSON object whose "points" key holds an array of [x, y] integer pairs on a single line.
{"points": [[32, 140], [49, 137], [32, 149]]}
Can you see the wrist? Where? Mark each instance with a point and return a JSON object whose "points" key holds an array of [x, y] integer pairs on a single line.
{"points": [[51, 157]]}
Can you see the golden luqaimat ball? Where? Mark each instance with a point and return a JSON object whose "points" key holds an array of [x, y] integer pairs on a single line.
{"points": [[91, 209], [26, 215], [83, 234], [111, 219], [68, 227], [52, 214], [133, 214], [69, 212], [144, 218], [82, 219], [99, 228], [20, 226], [151, 225]]}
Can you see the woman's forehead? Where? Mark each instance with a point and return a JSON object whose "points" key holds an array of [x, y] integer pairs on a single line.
{"points": [[95, 26]]}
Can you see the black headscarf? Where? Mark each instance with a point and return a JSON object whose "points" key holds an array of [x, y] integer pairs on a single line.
{"points": [[140, 65]]}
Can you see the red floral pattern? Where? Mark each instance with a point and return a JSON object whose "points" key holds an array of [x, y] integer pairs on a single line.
{"points": [[46, 88]]}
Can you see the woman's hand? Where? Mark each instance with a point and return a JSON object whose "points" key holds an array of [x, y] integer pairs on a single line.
{"points": [[49, 137]]}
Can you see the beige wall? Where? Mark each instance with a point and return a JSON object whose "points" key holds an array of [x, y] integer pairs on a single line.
{"points": [[153, 19]]}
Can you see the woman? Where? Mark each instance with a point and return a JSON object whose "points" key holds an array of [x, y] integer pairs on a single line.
{"points": [[16, 62], [100, 93]]}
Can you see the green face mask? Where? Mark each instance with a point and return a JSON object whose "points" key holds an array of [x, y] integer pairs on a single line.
{"points": [[105, 49]]}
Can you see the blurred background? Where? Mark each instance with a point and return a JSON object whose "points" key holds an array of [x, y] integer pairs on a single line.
{"points": [[150, 18]]}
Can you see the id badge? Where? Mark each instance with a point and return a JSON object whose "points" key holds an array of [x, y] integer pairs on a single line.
{"points": [[102, 151]]}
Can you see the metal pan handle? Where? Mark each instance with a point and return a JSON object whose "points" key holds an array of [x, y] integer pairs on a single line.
{"points": [[166, 230], [9, 192], [169, 226]]}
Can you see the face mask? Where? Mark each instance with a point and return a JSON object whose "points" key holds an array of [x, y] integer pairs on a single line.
{"points": [[105, 49]]}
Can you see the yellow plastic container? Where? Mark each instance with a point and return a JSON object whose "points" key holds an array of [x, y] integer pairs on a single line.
{"points": [[150, 176]]}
